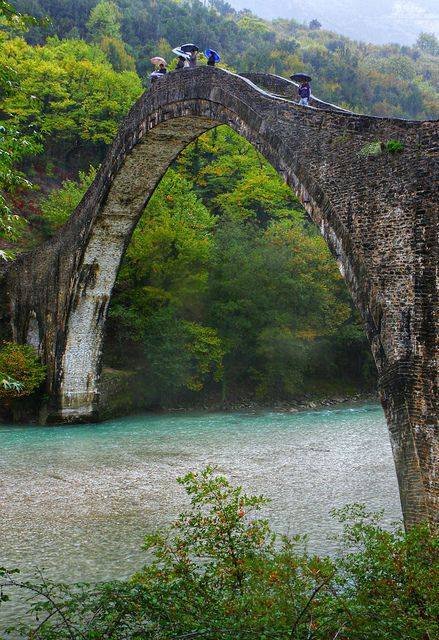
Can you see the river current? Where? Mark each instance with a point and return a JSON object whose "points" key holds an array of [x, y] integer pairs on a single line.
{"points": [[77, 500]]}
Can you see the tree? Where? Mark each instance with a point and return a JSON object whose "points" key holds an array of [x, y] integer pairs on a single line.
{"points": [[68, 89], [429, 43], [158, 302], [15, 145], [104, 21], [116, 53], [315, 24], [271, 294], [58, 206]]}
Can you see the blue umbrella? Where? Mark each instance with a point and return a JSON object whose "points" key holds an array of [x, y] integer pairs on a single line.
{"points": [[210, 52]]}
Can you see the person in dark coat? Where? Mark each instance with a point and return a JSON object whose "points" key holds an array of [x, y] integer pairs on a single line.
{"points": [[181, 62], [211, 59], [162, 68], [304, 93], [193, 58]]}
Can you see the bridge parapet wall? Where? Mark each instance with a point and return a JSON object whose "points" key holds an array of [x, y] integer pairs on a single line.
{"points": [[285, 88]]}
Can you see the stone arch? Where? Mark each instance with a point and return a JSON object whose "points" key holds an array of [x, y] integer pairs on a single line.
{"points": [[376, 214]]}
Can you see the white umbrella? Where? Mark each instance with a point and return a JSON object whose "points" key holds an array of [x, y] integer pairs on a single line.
{"points": [[178, 52]]}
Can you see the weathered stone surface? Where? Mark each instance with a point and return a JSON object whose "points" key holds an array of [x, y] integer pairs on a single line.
{"points": [[377, 214]]}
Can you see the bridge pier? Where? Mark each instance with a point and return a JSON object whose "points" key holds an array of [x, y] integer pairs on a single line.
{"points": [[409, 407]]}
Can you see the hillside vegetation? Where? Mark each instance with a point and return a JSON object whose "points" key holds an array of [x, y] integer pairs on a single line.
{"points": [[382, 80]]}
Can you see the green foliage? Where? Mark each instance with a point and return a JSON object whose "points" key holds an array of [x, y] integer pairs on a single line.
{"points": [[21, 371], [60, 204], [13, 19], [220, 572], [394, 146], [157, 304], [68, 89], [429, 43], [117, 55], [15, 145], [377, 148], [372, 149], [271, 293], [104, 21], [389, 579]]}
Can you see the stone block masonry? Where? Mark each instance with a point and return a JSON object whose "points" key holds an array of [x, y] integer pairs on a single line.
{"points": [[377, 213]]}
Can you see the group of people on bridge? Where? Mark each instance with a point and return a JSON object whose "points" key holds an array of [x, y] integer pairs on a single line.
{"points": [[187, 56]]}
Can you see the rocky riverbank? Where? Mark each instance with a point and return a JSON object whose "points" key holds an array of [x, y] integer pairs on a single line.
{"points": [[293, 406], [121, 394]]}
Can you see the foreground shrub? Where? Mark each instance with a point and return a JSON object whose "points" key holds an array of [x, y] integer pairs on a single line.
{"points": [[219, 572], [21, 371]]}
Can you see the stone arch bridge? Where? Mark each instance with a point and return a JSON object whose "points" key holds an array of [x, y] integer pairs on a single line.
{"points": [[377, 214]]}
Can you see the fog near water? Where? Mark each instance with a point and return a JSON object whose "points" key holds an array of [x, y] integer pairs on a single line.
{"points": [[377, 21]]}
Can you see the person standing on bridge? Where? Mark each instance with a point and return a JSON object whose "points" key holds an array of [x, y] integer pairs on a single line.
{"points": [[304, 87], [212, 57], [304, 93], [193, 58], [182, 63]]}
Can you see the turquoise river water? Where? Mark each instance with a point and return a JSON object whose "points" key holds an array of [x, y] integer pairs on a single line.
{"points": [[77, 500]]}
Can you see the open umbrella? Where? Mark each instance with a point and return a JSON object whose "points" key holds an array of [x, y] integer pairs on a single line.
{"points": [[179, 52], [189, 47], [210, 52], [301, 77], [158, 60]]}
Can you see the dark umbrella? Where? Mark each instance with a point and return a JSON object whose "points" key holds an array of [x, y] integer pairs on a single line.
{"points": [[210, 52], [301, 77], [189, 47]]}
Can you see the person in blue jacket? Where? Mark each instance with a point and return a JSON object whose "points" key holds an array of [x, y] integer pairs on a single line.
{"points": [[304, 93]]}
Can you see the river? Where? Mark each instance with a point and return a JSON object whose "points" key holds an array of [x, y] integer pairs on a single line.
{"points": [[77, 500]]}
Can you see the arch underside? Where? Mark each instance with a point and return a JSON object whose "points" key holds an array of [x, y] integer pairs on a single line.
{"points": [[378, 218], [130, 191]]}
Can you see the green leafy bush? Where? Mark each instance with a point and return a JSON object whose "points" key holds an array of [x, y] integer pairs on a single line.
{"points": [[21, 371], [394, 146], [372, 149], [220, 572], [377, 148]]}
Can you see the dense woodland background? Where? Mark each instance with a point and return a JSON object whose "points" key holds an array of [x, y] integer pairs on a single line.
{"points": [[227, 290]]}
